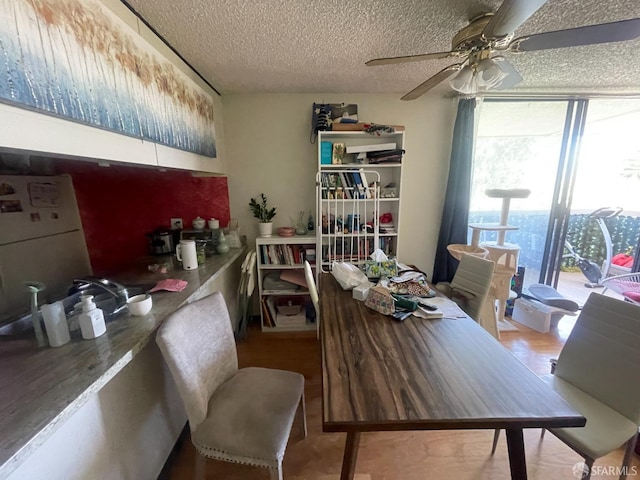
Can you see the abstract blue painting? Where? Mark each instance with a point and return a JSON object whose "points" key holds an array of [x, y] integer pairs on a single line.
{"points": [[77, 59]]}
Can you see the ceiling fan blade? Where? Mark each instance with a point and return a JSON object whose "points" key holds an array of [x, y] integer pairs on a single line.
{"points": [[411, 58], [432, 82], [510, 15], [574, 37], [513, 77]]}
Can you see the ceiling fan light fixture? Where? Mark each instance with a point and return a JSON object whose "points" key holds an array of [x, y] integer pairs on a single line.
{"points": [[489, 74], [464, 81]]}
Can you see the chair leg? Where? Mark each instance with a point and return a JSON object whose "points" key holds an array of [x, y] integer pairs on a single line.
{"points": [[496, 436], [276, 474], [589, 463], [201, 464], [302, 411], [626, 460], [542, 433]]}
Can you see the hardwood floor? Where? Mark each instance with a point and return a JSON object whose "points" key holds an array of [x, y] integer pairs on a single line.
{"points": [[434, 455]]}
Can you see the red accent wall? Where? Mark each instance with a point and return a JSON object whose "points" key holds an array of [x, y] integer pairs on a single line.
{"points": [[120, 204]]}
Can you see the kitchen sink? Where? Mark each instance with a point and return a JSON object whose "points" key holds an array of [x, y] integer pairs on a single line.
{"points": [[22, 327]]}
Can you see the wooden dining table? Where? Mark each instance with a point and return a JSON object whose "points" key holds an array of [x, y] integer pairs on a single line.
{"points": [[379, 374]]}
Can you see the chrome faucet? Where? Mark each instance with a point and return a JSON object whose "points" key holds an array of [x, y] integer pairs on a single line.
{"points": [[115, 289]]}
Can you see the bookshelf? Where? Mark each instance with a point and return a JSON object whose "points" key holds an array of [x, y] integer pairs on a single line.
{"points": [[279, 259], [353, 219]]}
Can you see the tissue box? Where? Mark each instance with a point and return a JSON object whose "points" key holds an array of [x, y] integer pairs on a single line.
{"points": [[361, 291], [373, 269]]}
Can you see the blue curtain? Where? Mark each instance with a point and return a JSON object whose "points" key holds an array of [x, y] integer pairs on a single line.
{"points": [[455, 214]]}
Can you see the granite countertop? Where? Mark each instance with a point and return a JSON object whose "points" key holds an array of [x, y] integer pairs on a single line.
{"points": [[42, 387]]}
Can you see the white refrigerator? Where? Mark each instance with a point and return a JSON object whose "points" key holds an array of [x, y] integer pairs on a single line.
{"points": [[41, 239]]}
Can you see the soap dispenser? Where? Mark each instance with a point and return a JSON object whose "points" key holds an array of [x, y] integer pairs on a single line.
{"points": [[91, 319]]}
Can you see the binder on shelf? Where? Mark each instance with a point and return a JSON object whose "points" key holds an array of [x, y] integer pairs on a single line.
{"points": [[326, 149], [371, 148]]}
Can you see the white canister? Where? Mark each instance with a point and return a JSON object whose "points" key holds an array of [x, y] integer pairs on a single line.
{"points": [[55, 323], [213, 223], [186, 253]]}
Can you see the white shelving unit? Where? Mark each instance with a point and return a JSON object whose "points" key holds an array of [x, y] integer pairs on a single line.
{"points": [[276, 255], [348, 219]]}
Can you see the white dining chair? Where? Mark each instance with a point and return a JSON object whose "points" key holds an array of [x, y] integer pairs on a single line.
{"points": [[597, 373], [470, 288], [235, 415], [313, 293]]}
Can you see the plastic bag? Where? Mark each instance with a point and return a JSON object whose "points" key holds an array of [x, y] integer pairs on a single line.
{"points": [[348, 275]]}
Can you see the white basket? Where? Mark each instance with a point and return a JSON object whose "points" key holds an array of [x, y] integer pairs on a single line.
{"points": [[627, 285]]}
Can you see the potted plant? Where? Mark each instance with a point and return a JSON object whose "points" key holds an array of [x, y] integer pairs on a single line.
{"points": [[264, 214]]}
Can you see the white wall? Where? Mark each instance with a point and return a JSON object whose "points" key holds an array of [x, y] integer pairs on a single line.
{"points": [[268, 150]]}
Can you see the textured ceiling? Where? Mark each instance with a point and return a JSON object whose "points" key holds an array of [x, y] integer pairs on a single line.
{"points": [[310, 46]]}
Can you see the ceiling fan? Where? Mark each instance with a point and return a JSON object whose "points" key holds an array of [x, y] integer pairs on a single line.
{"points": [[481, 70]]}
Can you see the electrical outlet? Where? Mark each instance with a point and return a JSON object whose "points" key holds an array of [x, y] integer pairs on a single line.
{"points": [[176, 224]]}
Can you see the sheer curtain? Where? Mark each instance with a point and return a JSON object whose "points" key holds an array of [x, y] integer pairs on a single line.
{"points": [[455, 213]]}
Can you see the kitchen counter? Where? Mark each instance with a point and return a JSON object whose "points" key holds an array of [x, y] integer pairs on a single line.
{"points": [[40, 388]]}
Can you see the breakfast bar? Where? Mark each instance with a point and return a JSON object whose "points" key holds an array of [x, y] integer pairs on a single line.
{"points": [[113, 393]]}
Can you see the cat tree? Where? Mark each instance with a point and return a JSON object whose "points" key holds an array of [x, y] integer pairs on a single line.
{"points": [[505, 255]]}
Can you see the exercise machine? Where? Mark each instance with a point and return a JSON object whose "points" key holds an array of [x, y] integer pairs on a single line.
{"points": [[594, 273]]}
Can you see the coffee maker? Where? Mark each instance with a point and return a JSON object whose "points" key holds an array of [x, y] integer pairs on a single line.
{"points": [[161, 242]]}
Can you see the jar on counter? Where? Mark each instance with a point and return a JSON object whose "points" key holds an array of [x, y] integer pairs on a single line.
{"points": [[223, 244], [201, 251]]}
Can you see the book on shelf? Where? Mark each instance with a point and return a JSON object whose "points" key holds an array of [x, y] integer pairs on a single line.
{"points": [[337, 153], [371, 147], [266, 313], [367, 190], [310, 255], [346, 193]]}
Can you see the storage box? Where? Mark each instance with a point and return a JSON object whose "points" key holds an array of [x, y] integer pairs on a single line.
{"points": [[298, 320], [536, 315]]}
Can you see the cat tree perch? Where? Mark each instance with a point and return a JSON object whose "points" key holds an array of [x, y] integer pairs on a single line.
{"points": [[503, 254]]}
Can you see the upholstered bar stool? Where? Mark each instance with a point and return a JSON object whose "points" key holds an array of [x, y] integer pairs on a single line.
{"points": [[235, 415]]}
